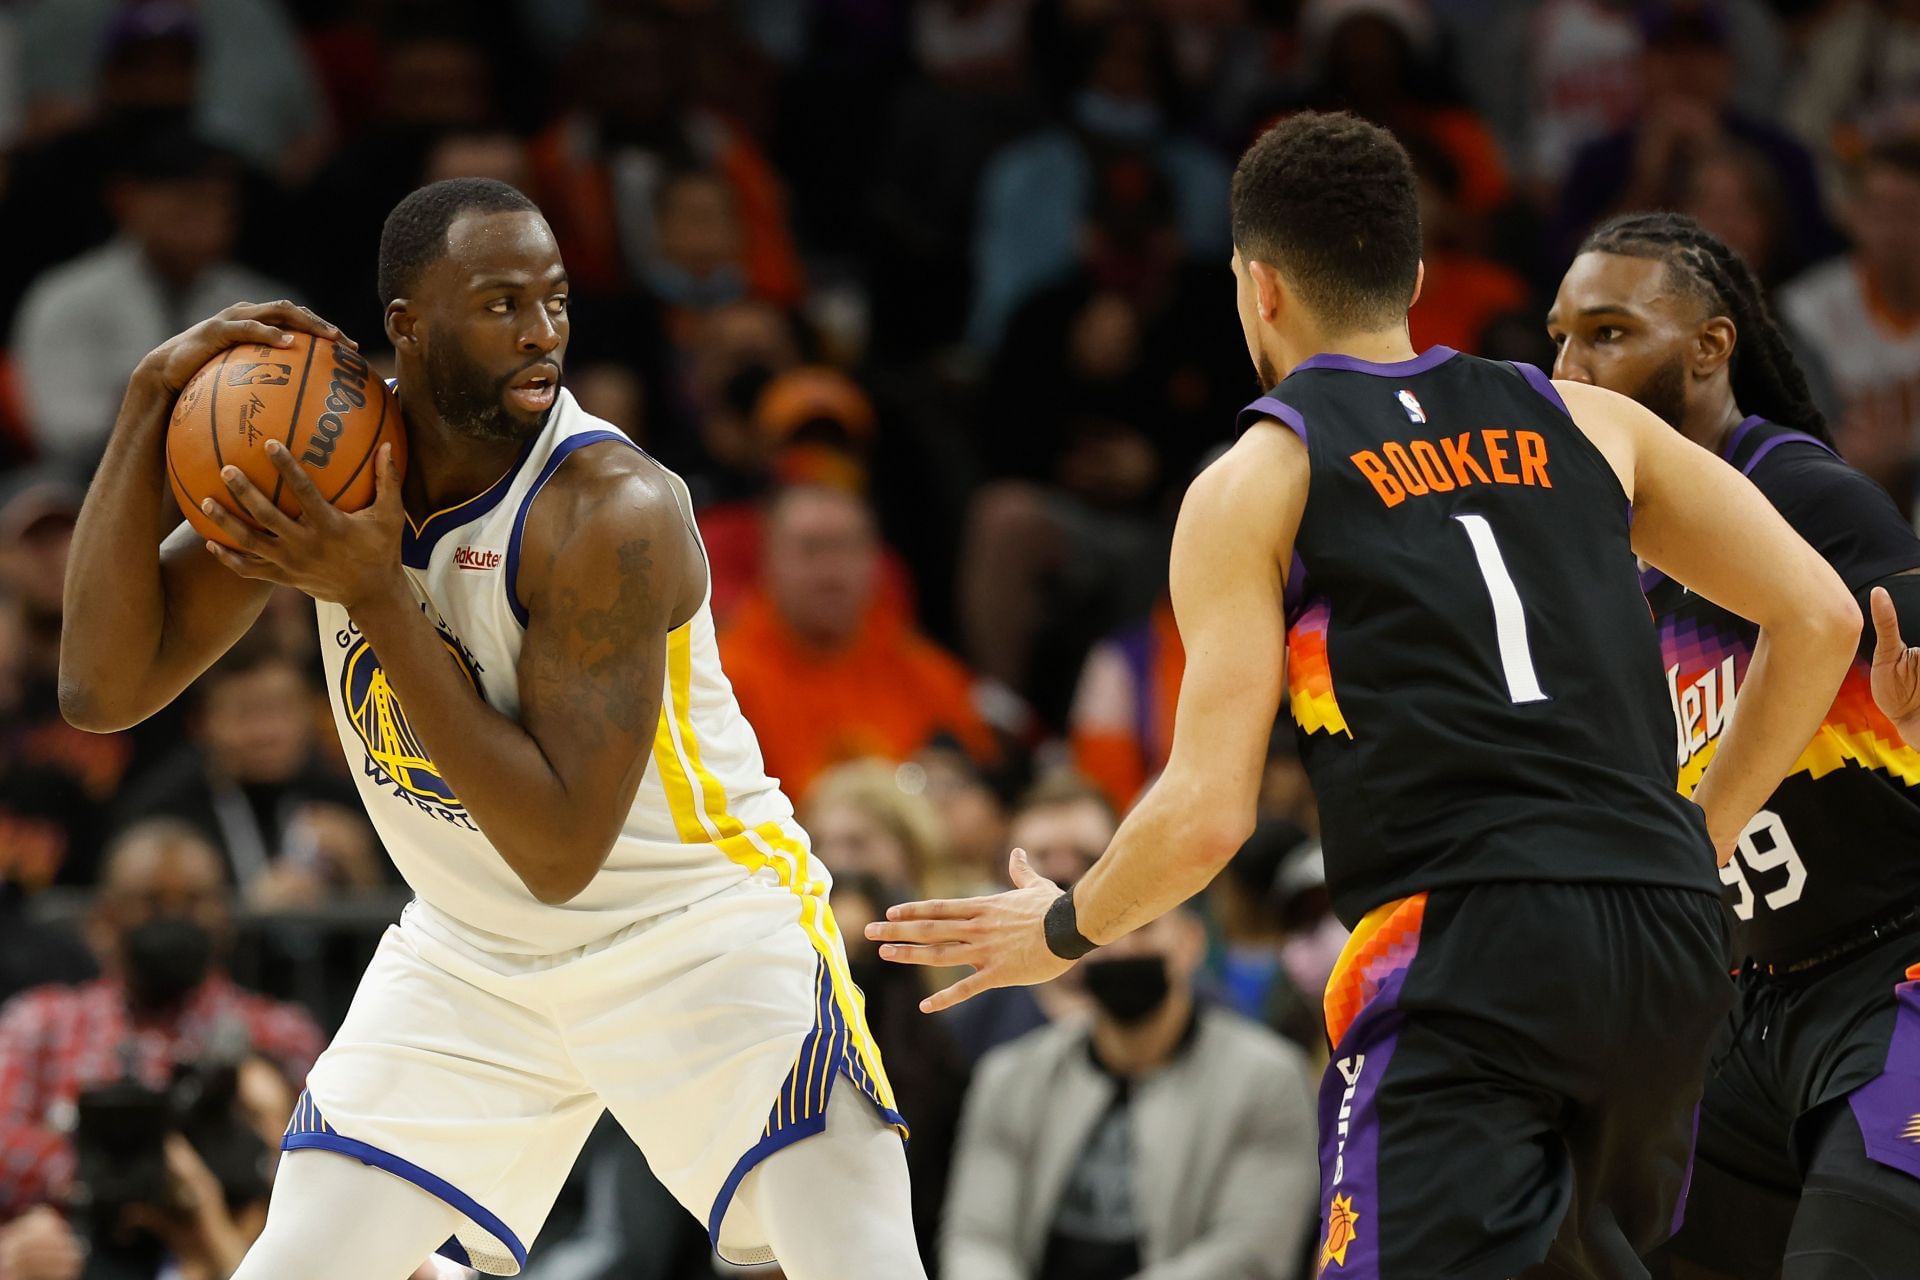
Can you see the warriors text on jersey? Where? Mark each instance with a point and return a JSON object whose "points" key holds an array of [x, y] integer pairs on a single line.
{"points": [[706, 815], [1838, 844], [1471, 667]]}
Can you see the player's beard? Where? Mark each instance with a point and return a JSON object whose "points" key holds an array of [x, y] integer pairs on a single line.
{"points": [[1264, 370], [472, 401], [1665, 392]]}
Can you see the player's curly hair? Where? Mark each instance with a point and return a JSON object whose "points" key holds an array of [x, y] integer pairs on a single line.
{"points": [[1766, 379], [415, 234], [1328, 199]]}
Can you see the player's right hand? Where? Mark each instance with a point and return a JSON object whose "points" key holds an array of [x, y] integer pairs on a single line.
{"points": [[172, 364], [1896, 670]]}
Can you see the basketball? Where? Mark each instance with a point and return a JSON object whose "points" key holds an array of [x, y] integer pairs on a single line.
{"points": [[319, 398]]}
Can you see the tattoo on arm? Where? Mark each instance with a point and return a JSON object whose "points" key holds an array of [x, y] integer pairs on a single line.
{"points": [[607, 640]]}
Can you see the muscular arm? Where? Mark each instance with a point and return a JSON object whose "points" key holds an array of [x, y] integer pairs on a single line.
{"points": [[1702, 524], [145, 617], [603, 570], [1236, 530]]}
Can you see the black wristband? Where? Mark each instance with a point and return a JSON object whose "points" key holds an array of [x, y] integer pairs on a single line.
{"points": [[1064, 938]]}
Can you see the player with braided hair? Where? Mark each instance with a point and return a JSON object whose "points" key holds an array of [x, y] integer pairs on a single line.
{"points": [[1809, 1142], [1764, 378]]}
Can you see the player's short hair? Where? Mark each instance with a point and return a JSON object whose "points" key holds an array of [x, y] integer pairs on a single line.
{"points": [[1328, 199], [415, 234]]}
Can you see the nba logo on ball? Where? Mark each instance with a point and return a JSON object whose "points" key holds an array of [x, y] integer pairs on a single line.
{"points": [[1411, 405]]}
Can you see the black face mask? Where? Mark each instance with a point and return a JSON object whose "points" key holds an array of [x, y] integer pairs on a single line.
{"points": [[165, 959], [1130, 989]]}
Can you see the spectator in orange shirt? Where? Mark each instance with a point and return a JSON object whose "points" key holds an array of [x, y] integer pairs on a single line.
{"points": [[824, 671]]}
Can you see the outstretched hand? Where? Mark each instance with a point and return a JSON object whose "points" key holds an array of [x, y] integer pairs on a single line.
{"points": [[1896, 670], [1001, 936]]}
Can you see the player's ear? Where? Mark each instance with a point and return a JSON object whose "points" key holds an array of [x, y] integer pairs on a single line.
{"points": [[401, 325], [1419, 283], [1713, 345], [1269, 290]]}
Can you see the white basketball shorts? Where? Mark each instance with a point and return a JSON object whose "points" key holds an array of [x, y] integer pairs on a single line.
{"points": [[714, 1034]]}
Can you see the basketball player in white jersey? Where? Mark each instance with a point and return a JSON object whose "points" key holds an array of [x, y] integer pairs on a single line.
{"points": [[615, 908]]}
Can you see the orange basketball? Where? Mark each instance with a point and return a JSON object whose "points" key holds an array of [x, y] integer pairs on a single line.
{"points": [[317, 397]]}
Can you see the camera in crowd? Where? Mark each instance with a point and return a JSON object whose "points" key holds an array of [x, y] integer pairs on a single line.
{"points": [[120, 1135]]}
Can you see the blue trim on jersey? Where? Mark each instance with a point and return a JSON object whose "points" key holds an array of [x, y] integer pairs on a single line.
{"points": [[430, 1183], [416, 548], [1431, 358], [773, 1142], [561, 452], [1268, 407], [1542, 383], [824, 1056]]}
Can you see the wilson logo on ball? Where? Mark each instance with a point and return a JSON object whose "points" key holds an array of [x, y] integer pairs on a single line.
{"points": [[347, 392]]}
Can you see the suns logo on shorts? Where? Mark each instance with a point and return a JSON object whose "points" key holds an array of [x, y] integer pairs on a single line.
{"points": [[1340, 1223], [395, 757]]}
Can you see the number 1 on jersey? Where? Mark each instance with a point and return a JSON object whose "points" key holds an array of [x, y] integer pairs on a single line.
{"points": [[1509, 619]]}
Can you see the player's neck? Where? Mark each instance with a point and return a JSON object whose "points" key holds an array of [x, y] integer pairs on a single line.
{"points": [[1145, 1046], [1710, 427], [1382, 346], [446, 467]]}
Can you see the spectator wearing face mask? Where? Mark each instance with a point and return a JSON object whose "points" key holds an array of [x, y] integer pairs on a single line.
{"points": [[1162, 1139], [159, 928]]}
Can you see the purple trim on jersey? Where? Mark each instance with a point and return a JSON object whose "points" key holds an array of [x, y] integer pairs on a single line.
{"points": [[561, 452], [1649, 579], [1296, 590], [1542, 383], [1739, 433], [1686, 1179], [1887, 1107], [416, 549], [1787, 437], [1372, 1039], [1431, 358], [1268, 407]]}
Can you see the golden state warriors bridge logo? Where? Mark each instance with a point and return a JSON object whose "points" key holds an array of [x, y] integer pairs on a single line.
{"points": [[396, 761]]}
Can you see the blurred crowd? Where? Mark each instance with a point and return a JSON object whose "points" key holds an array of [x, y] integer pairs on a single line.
{"points": [[929, 302]]}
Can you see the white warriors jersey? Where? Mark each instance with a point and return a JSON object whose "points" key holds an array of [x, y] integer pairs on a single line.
{"points": [[706, 816]]}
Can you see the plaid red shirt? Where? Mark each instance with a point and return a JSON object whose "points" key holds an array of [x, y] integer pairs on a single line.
{"points": [[56, 1041]]}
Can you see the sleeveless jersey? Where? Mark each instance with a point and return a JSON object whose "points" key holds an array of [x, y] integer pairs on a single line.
{"points": [[1471, 668], [1838, 844], [706, 815]]}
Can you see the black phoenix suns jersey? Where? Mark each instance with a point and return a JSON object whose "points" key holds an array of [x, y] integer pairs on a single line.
{"points": [[1838, 845], [1471, 667]]}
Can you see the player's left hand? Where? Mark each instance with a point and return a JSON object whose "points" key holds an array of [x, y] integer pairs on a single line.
{"points": [[349, 559], [1002, 937], [1896, 670]]}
